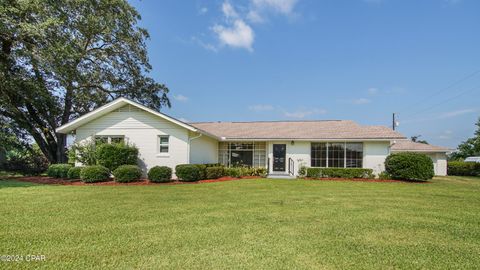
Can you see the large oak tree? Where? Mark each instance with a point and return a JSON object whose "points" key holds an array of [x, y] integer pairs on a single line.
{"points": [[62, 58]]}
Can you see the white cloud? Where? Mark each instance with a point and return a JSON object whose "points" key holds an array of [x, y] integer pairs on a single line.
{"points": [[236, 31], [372, 90], [281, 6], [180, 98], [445, 115], [228, 10], [259, 8], [184, 120], [447, 134], [456, 113], [452, 2], [206, 46], [361, 101], [238, 35], [261, 107], [203, 10], [300, 114]]}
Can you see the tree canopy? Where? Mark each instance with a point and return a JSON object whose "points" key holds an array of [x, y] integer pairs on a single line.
{"points": [[60, 59], [416, 138], [470, 147]]}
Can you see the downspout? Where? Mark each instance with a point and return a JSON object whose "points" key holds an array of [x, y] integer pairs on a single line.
{"points": [[189, 143]]}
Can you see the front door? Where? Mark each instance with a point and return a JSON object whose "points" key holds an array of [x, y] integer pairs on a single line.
{"points": [[279, 152]]}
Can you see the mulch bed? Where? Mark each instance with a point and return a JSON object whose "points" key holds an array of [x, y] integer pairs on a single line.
{"points": [[365, 180], [142, 182], [145, 182]]}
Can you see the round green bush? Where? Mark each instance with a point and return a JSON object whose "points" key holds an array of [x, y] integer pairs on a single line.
{"points": [[74, 172], [95, 173], [409, 166], [58, 170], [114, 155], [160, 174], [127, 173], [188, 172]]}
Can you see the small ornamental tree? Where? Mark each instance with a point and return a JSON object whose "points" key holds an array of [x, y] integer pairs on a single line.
{"points": [[409, 166], [114, 155]]}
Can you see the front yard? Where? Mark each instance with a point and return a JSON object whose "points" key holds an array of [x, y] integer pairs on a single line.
{"points": [[244, 224]]}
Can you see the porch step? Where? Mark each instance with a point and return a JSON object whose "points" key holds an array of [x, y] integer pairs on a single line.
{"points": [[280, 176]]}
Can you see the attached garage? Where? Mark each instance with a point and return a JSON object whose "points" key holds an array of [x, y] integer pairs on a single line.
{"points": [[438, 154]]}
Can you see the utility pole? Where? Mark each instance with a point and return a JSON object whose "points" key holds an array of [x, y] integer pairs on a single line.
{"points": [[394, 123]]}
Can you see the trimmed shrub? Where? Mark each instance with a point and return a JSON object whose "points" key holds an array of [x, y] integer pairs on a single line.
{"points": [[233, 172], [349, 173], [114, 155], [188, 172], [213, 165], [202, 168], [215, 172], [58, 170], [94, 173], [74, 172], [409, 166], [245, 171], [462, 168], [127, 173], [160, 174]]}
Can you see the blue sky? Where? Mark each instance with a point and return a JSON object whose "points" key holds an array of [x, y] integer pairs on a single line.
{"points": [[311, 59]]}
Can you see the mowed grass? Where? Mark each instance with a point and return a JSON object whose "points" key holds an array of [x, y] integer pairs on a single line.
{"points": [[260, 224]]}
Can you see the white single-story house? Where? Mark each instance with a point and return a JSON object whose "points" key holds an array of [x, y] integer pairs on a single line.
{"points": [[280, 146]]}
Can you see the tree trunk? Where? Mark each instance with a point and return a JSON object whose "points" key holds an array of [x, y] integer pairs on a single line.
{"points": [[61, 144]]}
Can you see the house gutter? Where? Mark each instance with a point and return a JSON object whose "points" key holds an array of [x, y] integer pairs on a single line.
{"points": [[189, 143]]}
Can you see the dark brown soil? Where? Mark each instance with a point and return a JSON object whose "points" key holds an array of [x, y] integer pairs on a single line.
{"points": [[365, 180], [142, 182]]}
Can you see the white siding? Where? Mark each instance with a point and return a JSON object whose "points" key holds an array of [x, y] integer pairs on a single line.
{"points": [[439, 163], [203, 150], [299, 152], [374, 155], [142, 129]]}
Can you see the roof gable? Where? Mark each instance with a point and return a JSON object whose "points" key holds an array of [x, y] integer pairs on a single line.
{"points": [[407, 145], [117, 104]]}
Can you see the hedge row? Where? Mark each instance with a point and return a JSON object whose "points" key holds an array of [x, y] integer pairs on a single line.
{"points": [[348, 173], [462, 168], [195, 172]]}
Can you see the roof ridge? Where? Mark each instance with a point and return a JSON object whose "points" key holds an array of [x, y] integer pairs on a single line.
{"points": [[273, 121]]}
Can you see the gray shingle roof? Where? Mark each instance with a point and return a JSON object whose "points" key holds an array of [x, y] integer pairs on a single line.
{"points": [[291, 130], [407, 145]]}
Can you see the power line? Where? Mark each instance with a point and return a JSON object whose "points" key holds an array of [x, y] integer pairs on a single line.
{"points": [[473, 74], [444, 101]]}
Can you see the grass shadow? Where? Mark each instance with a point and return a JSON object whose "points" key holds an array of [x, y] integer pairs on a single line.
{"points": [[4, 183]]}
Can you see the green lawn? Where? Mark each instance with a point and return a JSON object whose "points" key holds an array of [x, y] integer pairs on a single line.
{"points": [[262, 224]]}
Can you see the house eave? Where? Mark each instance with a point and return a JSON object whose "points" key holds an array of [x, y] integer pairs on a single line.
{"points": [[312, 139]]}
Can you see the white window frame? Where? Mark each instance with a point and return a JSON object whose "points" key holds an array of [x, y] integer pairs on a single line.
{"points": [[109, 138], [160, 144], [327, 144]]}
